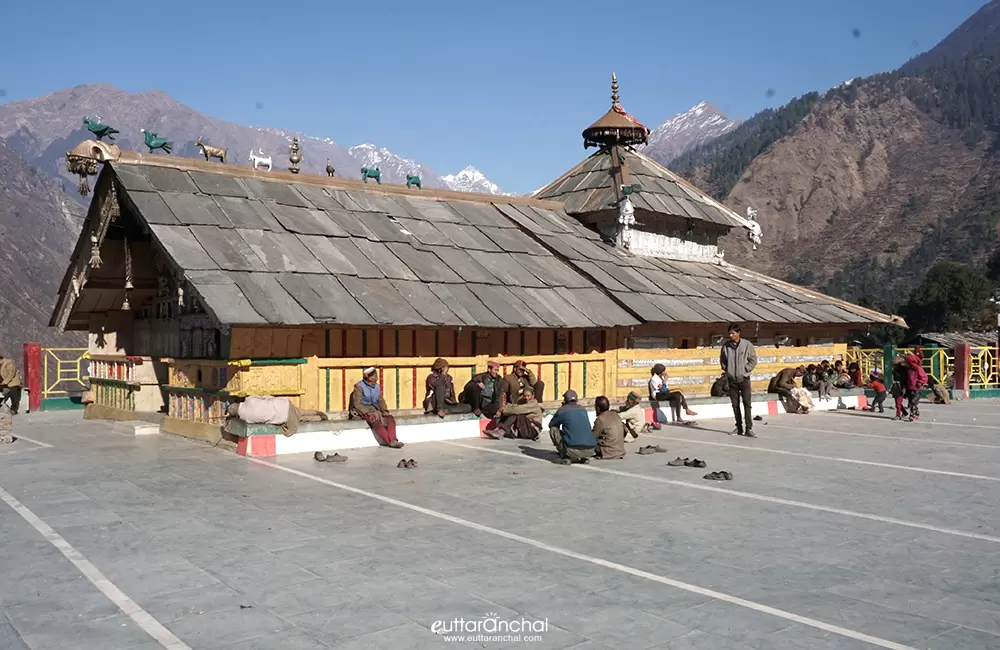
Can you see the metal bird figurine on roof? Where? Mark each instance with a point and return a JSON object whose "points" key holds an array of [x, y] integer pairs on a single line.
{"points": [[99, 130], [154, 141]]}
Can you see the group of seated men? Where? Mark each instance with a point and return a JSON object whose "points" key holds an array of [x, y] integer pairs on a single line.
{"points": [[512, 402]]}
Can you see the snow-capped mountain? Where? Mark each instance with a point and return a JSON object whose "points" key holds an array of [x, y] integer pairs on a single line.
{"points": [[687, 130], [471, 179], [394, 167]]}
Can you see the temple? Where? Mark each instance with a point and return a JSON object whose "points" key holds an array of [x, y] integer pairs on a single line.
{"points": [[201, 283]]}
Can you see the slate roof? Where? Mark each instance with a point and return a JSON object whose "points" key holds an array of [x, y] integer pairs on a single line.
{"points": [[589, 187], [274, 248], [951, 339]]}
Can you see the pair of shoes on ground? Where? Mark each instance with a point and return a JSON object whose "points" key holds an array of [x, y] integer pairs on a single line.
{"points": [[719, 476], [687, 462], [320, 457], [738, 432], [406, 464], [567, 461], [651, 449]]}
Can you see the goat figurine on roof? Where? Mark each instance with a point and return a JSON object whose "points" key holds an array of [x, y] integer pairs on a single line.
{"points": [[367, 173], [258, 159], [211, 152], [413, 181]]}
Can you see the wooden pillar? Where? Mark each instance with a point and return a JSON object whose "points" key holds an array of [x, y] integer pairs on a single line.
{"points": [[963, 362], [33, 374]]}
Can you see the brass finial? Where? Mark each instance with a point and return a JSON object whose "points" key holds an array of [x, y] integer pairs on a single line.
{"points": [[614, 89], [294, 157]]}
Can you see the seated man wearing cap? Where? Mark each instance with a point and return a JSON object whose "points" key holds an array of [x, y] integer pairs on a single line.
{"points": [[522, 419], [367, 403], [571, 431], [519, 378], [440, 388], [633, 416], [485, 391]]}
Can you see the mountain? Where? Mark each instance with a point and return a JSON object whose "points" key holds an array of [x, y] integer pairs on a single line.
{"points": [[979, 34], [685, 131], [39, 223], [862, 189], [41, 130], [471, 179]]}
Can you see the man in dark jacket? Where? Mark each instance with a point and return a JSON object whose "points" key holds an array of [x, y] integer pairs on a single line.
{"points": [[571, 431], [738, 358], [521, 377], [485, 391], [782, 385]]}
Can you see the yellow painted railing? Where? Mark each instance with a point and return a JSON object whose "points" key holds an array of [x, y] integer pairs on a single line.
{"points": [[983, 369], [694, 371], [938, 362], [402, 379], [64, 371]]}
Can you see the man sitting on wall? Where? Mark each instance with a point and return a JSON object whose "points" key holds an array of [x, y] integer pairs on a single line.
{"points": [[368, 404], [440, 387], [523, 419], [571, 431], [10, 384], [485, 391], [783, 384], [519, 378], [608, 430]]}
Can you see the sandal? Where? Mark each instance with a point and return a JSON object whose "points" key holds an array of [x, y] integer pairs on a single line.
{"points": [[401, 464], [645, 451], [658, 449], [726, 475], [320, 457], [677, 462], [410, 464], [698, 463]]}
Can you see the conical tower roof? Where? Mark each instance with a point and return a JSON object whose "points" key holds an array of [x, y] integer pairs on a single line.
{"points": [[616, 127]]}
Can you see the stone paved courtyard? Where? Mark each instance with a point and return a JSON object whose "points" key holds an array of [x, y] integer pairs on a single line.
{"points": [[840, 530]]}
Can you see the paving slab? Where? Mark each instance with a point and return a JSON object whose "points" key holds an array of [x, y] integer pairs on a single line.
{"points": [[227, 552]]}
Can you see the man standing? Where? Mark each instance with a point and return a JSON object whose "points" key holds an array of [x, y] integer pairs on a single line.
{"points": [[571, 431], [738, 358], [10, 383]]}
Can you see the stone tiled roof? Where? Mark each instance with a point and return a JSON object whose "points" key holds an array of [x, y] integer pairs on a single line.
{"points": [[281, 249], [589, 187]]}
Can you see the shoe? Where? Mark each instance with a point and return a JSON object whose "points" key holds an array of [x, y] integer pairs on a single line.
{"points": [[585, 461], [442, 413], [401, 464], [677, 462], [336, 458], [726, 475], [655, 426], [750, 434], [645, 451], [698, 463], [881, 410], [736, 432], [395, 444], [410, 464], [758, 418], [563, 461], [658, 449], [319, 457], [714, 476]]}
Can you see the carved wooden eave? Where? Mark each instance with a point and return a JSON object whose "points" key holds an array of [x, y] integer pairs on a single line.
{"points": [[104, 208]]}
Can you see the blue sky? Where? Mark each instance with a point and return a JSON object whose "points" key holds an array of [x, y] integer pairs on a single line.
{"points": [[505, 86]]}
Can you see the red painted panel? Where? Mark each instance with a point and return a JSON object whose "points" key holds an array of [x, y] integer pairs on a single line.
{"points": [[33, 374]]}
